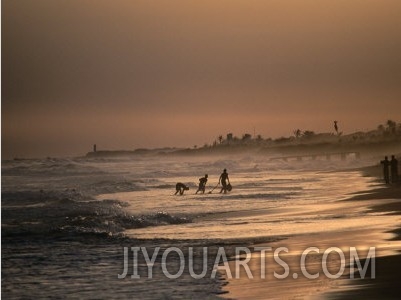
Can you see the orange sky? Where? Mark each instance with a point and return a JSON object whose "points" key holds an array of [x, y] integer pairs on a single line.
{"points": [[126, 74]]}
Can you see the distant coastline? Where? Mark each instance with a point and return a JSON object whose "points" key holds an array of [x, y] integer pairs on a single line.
{"points": [[383, 139]]}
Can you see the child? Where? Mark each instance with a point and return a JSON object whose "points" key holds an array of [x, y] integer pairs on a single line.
{"points": [[202, 184]]}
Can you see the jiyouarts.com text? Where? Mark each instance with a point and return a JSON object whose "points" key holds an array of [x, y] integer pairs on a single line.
{"points": [[199, 262]]}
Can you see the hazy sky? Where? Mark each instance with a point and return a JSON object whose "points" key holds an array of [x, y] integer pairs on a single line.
{"points": [[126, 74]]}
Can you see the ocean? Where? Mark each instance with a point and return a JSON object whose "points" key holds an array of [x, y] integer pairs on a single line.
{"points": [[68, 223]]}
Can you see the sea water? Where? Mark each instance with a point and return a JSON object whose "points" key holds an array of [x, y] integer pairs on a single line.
{"points": [[67, 222]]}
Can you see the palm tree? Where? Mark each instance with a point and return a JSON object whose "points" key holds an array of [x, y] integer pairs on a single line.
{"points": [[336, 126], [297, 133], [391, 126]]}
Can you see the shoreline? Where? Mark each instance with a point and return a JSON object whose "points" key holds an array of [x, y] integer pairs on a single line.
{"points": [[386, 284], [378, 200]]}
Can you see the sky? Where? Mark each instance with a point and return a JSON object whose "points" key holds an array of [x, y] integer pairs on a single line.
{"points": [[128, 74]]}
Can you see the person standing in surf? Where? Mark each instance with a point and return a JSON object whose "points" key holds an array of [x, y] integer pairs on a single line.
{"points": [[202, 184], [386, 164], [223, 180]]}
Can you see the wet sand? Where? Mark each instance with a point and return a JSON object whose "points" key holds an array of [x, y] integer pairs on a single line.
{"points": [[386, 238], [388, 267]]}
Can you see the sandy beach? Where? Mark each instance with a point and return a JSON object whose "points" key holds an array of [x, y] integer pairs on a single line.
{"points": [[385, 237]]}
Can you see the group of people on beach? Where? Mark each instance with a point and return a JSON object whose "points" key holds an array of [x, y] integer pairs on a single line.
{"points": [[224, 180], [390, 166]]}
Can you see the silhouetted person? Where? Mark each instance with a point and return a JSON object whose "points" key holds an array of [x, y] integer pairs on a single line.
{"points": [[202, 184], [180, 188], [224, 179], [386, 164], [336, 126], [394, 169]]}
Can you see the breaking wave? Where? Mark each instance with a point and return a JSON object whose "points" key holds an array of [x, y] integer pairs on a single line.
{"points": [[71, 212]]}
